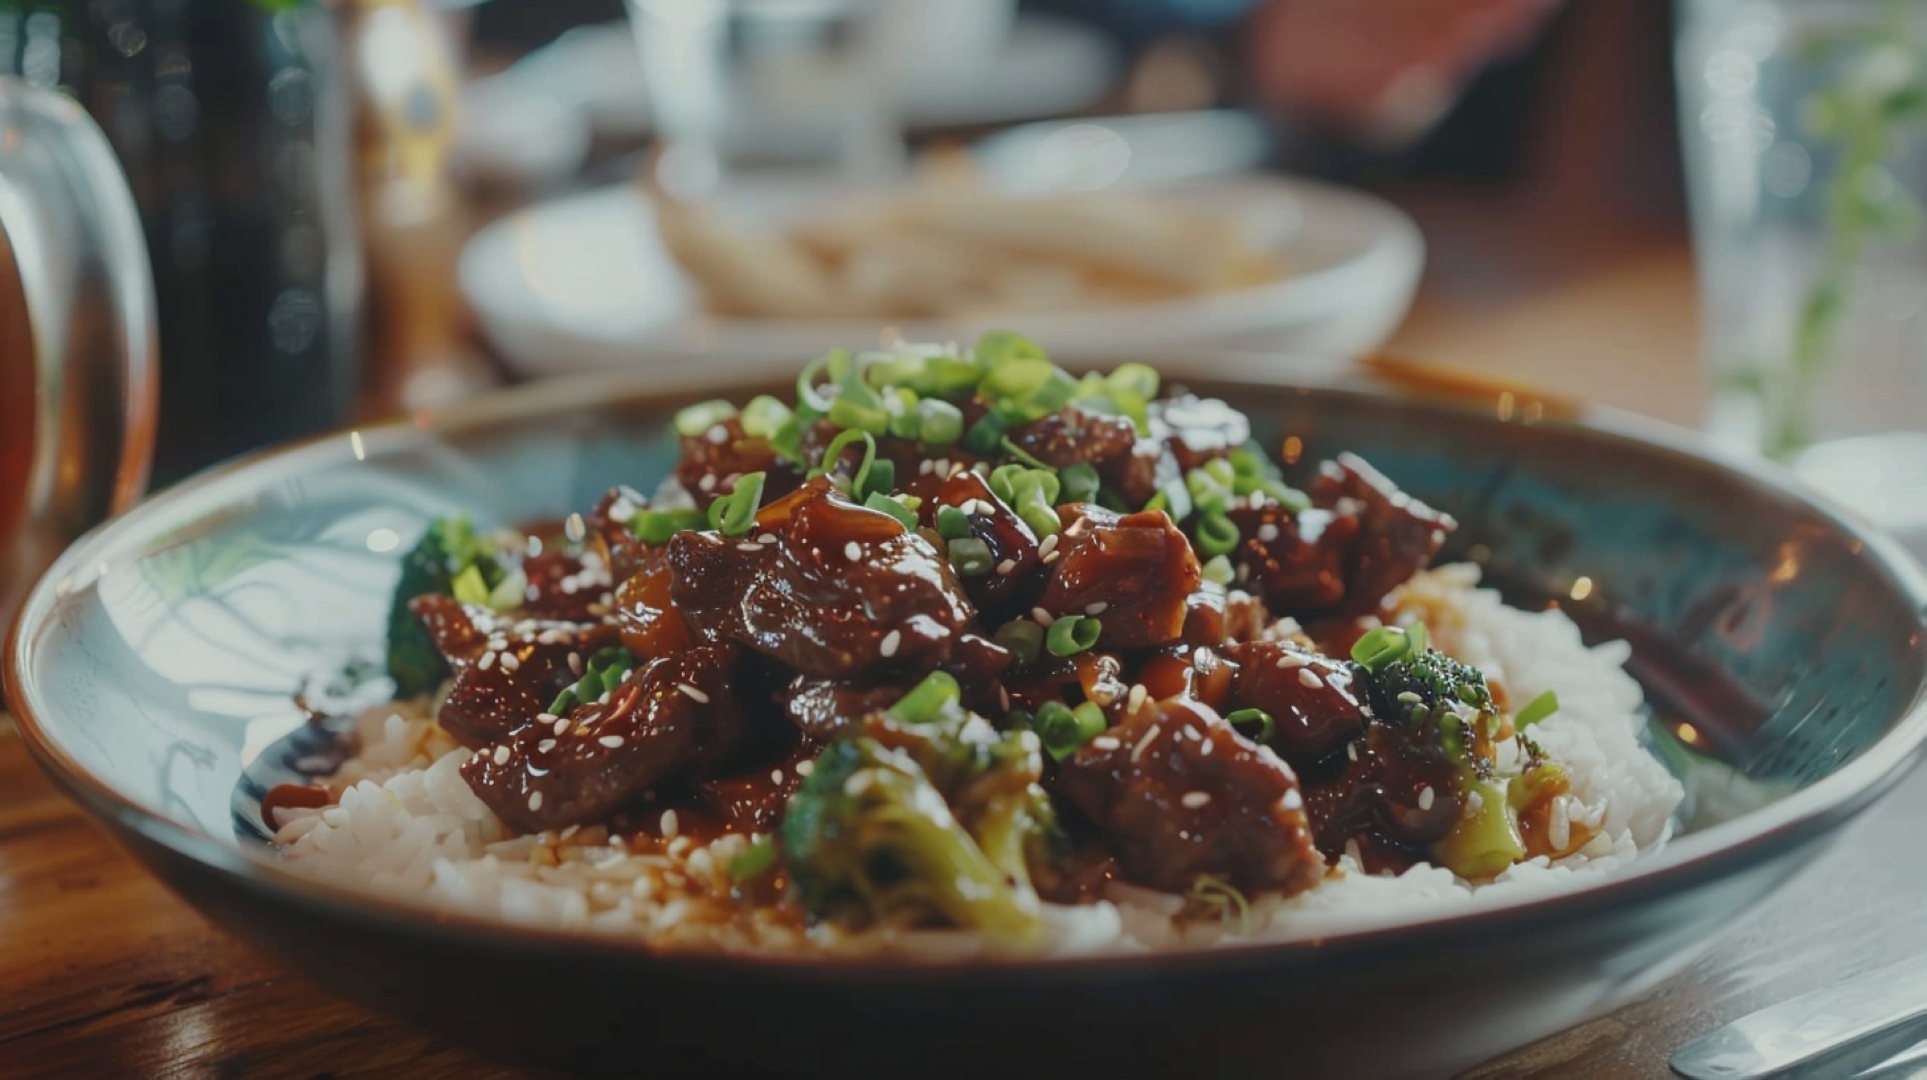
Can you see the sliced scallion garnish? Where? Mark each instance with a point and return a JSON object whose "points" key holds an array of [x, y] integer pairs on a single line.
{"points": [[1072, 634], [1536, 710], [929, 700]]}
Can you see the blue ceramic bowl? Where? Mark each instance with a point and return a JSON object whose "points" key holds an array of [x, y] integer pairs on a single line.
{"points": [[155, 669]]}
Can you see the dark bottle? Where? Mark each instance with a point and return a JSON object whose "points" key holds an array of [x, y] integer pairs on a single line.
{"points": [[237, 142]]}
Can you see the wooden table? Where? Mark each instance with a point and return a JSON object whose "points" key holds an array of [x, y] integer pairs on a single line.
{"points": [[106, 973]]}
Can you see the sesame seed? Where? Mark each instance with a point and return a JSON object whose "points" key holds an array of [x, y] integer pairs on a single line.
{"points": [[853, 551], [561, 725], [1048, 545], [569, 586], [1097, 608], [718, 435], [1310, 678], [575, 662], [1149, 737], [707, 483], [1194, 799], [923, 467], [1267, 532], [1208, 747], [766, 538], [548, 637], [776, 776], [545, 745], [1425, 797], [535, 802], [890, 642], [1351, 751], [611, 741], [1042, 617], [1244, 573], [509, 662], [1006, 566], [1136, 700], [1289, 661], [621, 511], [749, 548], [502, 755], [1052, 557], [804, 768], [670, 827], [487, 661], [574, 529], [1106, 743], [693, 694]]}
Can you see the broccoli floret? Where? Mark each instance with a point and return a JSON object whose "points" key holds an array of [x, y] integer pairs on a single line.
{"points": [[449, 547], [1430, 682], [872, 836]]}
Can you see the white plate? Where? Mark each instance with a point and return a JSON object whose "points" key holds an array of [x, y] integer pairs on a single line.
{"points": [[584, 283]]}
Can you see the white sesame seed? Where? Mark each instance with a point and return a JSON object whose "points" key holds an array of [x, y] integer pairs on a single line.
{"points": [[569, 586], [545, 745], [1106, 743], [749, 548], [891, 641], [1194, 799], [1425, 797], [1208, 747], [1289, 661], [1267, 532], [1310, 678], [1052, 557], [546, 718], [1474, 802], [717, 434], [1006, 566], [766, 538], [693, 694], [670, 827], [561, 725], [621, 511], [548, 637], [575, 662], [535, 802], [487, 661], [776, 776], [1048, 545], [509, 662], [1097, 608], [1149, 737], [611, 741], [1244, 573], [575, 529], [502, 755], [853, 551], [1351, 751], [924, 466], [707, 483], [957, 469], [1042, 617], [1136, 700], [804, 768]]}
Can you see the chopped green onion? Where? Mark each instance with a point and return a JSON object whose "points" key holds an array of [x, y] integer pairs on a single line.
{"points": [[700, 417], [847, 412], [1286, 496], [939, 423], [1218, 893], [1140, 380], [564, 703], [1217, 535], [970, 557], [1219, 570], [788, 439], [999, 347], [657, 526], [952, 523], [1079, 483], [1030, 493], [603, 674], [1220, 471], [1072, 634], [899, 369], [735, 513], [834, 456], [906, 426], [885, 504], [1064, 730], [1420, 640], [1243, 718], [806, 391], [511, 592], [1381, 646], [1536, 710], [753, 861], [929, 700], [1022, 454], [1174, 499], [1029, 388], [469, 586], [764, 416], [985, 435], [1024, 639]]}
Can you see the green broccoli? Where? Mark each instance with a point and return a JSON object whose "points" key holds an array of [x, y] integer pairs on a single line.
{"points": [[872, 836], [447, 549]]}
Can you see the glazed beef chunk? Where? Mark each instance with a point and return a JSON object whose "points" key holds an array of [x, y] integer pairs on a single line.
{"points": [[835, 591], [506, 671], [1135, 574], [669, 720], [1176, 792], [1308, 696]]}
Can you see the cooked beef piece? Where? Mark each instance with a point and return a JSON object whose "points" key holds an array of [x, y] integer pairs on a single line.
{"points": [[837, 591], [1135, 574], [1309, 696], [668, 721], [1379, 787], [1196, 671], [713, 459], [564, 587], [1087, 676], [1175, 792], [1298, 563], [609, 536], [646, 615], [506, 670], [822, 708], [1198, 429], [753, 801], [1014, 562], [1075, 435], [1397, 534]]}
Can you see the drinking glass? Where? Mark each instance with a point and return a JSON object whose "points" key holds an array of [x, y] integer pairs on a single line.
{"points": [[77, 334], [1805, 132]]}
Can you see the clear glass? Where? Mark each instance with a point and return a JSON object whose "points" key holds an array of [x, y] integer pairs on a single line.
{"points": [[77, 334], [1805, 131], [739, 84]]}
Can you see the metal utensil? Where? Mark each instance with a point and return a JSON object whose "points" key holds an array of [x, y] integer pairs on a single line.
{"points": [[1837, 1031]]}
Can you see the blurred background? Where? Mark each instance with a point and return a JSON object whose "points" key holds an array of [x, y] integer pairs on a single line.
{"points": [[309, 177]]}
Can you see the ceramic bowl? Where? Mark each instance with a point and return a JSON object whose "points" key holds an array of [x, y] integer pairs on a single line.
{"points": [[1782, 643]]}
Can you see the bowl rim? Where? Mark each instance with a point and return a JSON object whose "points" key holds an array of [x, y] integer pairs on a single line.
{"points": [[1699, 856]]}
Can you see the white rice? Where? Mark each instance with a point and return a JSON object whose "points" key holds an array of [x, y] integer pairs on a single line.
{"points": [[405, 824]]}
